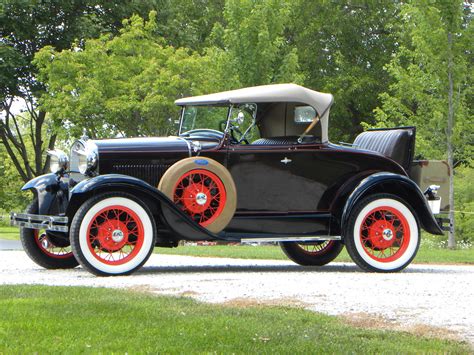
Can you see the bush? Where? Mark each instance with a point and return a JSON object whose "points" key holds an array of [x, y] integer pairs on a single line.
{"points": [[464, 203]]}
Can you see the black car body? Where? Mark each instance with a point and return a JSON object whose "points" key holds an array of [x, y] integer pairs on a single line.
{"points": [[248, 165]]}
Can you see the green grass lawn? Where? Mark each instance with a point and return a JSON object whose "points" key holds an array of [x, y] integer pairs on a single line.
{"points": [[40, 319], [10, 233]]}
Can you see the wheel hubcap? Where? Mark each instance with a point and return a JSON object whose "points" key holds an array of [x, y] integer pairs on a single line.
{"points": [[387, 234], [117, 235], [201, 198], [45, 243]]}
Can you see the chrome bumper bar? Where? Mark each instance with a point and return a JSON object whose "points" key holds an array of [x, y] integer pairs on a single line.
{"points": [[36, 221]]}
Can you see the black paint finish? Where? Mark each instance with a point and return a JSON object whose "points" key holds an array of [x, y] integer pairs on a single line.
{"points": [[287, 190]]}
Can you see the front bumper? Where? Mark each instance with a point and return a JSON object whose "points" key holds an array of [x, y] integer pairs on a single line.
{"points": [[35, 221]]}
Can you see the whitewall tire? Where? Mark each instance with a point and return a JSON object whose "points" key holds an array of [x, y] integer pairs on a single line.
{"points": [[112, 234], [382, 234]]}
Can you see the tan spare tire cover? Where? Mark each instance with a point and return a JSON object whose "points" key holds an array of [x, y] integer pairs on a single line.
{"points": [[202, 188]]}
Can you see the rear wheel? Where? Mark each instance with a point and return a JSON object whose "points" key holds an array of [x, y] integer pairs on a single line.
{"points": [[382, 234], [112, 234], [44, 248], [312, 253]]}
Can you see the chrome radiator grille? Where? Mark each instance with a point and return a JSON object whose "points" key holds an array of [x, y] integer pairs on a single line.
{"points": [[150, 173]]}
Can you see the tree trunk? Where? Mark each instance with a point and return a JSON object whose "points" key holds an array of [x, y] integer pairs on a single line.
{"points": [[449, 136]]}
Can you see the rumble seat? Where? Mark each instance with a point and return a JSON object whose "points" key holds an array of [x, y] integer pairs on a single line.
{"points": [[397, 143]]}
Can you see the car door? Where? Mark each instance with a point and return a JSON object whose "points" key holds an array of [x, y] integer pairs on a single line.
{"points": [[278, 190]]}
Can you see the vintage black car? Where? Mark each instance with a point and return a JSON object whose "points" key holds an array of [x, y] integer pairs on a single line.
{"points": [[249, 165]]}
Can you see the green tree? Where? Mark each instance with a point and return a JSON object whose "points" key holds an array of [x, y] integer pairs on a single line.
{"points": [[251, 46], [11, 198], [121, 85], [433, 83], [342, 49], [464, 197], [188, 23], [25, 27]]}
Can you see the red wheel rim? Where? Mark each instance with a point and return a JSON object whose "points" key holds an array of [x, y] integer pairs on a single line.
{"points": [[49, 248], [318, 248], [115, 235], [201, 194], [385, 234]]}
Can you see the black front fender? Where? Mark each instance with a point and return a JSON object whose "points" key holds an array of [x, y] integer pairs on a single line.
{"points": [[51, 193], [176, 220], [398, 185]]}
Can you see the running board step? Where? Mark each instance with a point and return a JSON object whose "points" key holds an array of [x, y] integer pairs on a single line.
{"points": [[290, 239]]}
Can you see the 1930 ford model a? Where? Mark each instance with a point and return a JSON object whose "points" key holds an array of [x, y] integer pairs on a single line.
{"points": [[253, 164]]}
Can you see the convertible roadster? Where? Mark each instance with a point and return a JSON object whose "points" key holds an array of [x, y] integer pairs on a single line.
{"points": [[249, 165]]}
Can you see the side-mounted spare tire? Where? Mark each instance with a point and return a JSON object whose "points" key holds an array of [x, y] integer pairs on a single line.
{"points": [[203, 189]]}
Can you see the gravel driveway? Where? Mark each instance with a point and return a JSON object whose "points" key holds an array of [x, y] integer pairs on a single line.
{"points": [[423, 298]]}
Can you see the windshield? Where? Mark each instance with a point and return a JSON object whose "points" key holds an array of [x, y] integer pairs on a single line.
{"points": [[200, 117]]}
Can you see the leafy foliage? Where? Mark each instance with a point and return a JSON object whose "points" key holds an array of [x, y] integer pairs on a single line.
{"points": [[464, 195], [121, 85], [342, 49], [419, 94], [254, 50]]}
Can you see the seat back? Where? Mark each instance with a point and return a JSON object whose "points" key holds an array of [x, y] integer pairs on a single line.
{"points": [[287, 140], [395, 143]]}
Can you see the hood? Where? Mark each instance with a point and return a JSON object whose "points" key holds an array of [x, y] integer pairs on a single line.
{"points": [[142, 145]]}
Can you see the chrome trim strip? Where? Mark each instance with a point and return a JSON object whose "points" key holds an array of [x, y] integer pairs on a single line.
{"points": [[290, 239], [35, 221]]}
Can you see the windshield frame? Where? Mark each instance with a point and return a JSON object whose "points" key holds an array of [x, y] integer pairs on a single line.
{"points": [[183, 108]]}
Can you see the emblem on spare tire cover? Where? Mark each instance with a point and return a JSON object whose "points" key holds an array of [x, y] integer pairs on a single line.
{"points": [[201, 162]]}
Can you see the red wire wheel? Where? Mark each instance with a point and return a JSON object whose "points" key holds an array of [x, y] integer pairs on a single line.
{"points": [[201, 194], [49, 248], [115, 235], [316, 248], [385, 234]]}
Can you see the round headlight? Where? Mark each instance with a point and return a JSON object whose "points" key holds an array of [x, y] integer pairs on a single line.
{"points": [[58, 161], [84, 157]]}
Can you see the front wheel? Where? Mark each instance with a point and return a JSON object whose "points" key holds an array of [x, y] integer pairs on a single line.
{"points": [[382, 234], [112, 234], [44, 248], [312, 253]]}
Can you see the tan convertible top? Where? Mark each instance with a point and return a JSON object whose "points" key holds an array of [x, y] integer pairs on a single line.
{"points": [[321, 102]]}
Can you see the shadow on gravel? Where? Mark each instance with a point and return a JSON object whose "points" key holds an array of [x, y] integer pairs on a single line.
{"points": [[244, 268], [281, 268]]}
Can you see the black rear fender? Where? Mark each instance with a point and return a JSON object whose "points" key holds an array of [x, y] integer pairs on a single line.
{"points": [[397, 185], [164, 210]]}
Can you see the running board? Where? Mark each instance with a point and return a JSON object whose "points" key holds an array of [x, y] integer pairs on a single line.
{"points": [[290, 239]]}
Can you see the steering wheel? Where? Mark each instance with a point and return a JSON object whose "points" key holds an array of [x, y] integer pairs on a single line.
{"points": [[204, 132]]}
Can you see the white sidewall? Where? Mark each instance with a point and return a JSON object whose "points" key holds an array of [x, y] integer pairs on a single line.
{"points": [[147, 242], [412, 225]]}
